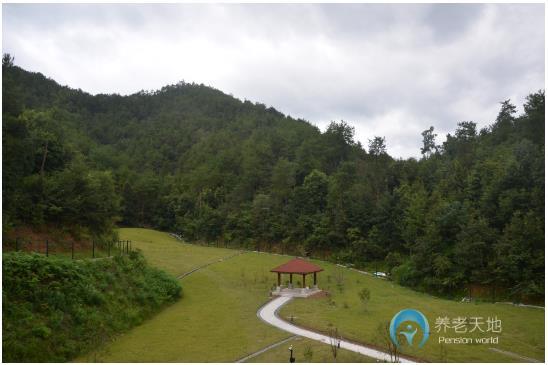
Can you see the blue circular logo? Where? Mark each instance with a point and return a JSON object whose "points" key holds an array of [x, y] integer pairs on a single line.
{"points": [[417, 319]]}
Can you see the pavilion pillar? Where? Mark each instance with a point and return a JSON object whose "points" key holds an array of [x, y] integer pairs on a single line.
{"points": [[315, 282], [279, 279], [290, 278], [304, 280]]}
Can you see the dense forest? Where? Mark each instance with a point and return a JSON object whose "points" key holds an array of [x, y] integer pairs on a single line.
{"points": [[193, 160]]}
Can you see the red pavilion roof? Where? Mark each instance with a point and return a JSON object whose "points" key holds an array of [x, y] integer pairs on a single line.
{"points": [[297, 266]]}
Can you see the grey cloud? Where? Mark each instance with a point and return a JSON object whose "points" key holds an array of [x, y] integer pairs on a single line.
{"points": [[448, 21]]}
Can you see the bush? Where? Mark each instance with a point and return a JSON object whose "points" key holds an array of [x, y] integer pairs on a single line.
{"points": [[55, 309], [405, 274]]}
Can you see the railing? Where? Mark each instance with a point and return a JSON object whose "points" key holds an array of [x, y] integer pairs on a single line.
{"points": [[73, 249]]}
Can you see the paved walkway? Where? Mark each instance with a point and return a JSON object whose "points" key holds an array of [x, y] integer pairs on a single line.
{"points": [[268, 313]]}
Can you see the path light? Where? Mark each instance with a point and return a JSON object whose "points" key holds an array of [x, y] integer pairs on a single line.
{"points": [[291, 358]]}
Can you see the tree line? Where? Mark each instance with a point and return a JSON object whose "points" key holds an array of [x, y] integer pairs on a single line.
{"points": [[190, 159]]}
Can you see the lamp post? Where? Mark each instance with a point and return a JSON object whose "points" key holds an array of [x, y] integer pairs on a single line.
{"points": [[291, 358]]}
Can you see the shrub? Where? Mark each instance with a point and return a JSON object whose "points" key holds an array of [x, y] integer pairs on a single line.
{"points": [[55, 309], [308, 353], [364, 296]]}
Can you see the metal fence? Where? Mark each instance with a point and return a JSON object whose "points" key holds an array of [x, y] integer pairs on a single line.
{"points": [[73, 249]]}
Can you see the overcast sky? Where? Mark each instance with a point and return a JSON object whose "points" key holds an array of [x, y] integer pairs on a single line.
{"points": [[389, 70]]}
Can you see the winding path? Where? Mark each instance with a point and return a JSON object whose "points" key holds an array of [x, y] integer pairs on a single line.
{"points": [[268, 313]]}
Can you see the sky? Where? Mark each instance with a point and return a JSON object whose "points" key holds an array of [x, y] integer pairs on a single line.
{"points": [[389, 70]]}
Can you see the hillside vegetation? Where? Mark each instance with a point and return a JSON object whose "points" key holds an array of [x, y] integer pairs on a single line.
{"points": [[190, 159], [54, 309]]}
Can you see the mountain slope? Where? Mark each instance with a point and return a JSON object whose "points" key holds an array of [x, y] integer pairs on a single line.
{"points": [[191, 159]]}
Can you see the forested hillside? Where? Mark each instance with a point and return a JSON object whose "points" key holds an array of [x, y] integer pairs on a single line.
{"points": [[191, 159]]}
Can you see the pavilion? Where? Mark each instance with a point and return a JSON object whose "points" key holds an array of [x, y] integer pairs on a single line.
{"points": [[296, 266]]}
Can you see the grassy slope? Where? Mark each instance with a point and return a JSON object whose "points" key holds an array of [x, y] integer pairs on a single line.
{"points": [[522, 328], [216, 319], [188, 330], [163, 251]]}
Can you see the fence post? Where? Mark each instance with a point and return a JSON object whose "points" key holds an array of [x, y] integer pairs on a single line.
{"points": [[72, 249], [47, 248], [93, 248]]}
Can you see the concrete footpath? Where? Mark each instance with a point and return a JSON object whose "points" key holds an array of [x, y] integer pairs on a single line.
{"points": [[268, 313]]}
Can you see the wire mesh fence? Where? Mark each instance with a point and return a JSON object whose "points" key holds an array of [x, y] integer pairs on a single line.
{"points": [[75, 250]]}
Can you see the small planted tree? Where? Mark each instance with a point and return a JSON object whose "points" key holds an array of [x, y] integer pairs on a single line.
{"points": [[384, 340], [364, 296], [334, 342], [308, 353], [339, 279]]}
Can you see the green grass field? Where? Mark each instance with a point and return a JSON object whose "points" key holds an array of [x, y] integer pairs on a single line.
{"points": [[215, 321], [306, 350], [216, 318], [522, 330]]}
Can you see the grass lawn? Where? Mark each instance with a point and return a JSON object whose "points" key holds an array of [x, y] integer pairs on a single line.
{"points": [[306, 350], [522, 328], [216, 318], [163, 251], [215, 321]]}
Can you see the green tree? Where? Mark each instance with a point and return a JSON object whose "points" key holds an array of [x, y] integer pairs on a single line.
{"points": [[377, 146], [283, 180], [429, 142]]}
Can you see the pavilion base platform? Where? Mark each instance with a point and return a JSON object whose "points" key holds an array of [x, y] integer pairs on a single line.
{"points": [[283, 291]]}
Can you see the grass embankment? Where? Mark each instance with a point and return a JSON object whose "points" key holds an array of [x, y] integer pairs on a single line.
{"points": [[522, 330], [55, 308], [216, 320]]}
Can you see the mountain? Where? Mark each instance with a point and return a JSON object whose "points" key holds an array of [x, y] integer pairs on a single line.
{"points": [[193, 160]]}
